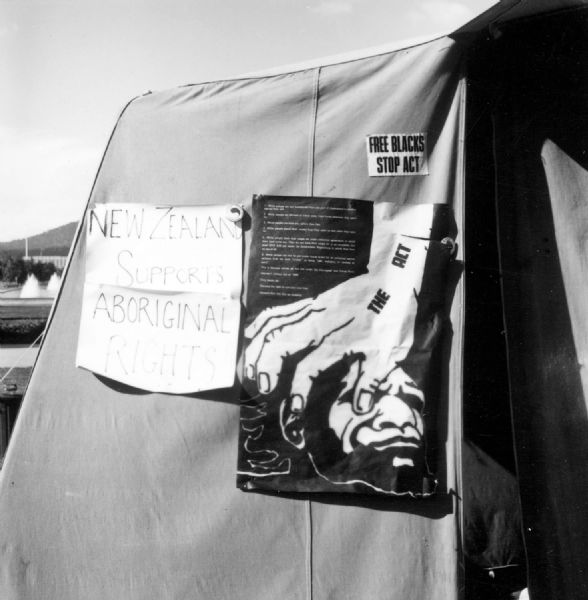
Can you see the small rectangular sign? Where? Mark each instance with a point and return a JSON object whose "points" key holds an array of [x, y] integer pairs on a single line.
{"points": [[397, 154]]}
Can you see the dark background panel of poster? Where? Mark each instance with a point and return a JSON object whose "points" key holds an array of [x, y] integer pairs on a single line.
{"points": [[304, 246]]}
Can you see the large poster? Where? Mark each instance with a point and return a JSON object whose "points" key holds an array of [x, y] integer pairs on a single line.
{"points": [[161, 304], [345, 305]]}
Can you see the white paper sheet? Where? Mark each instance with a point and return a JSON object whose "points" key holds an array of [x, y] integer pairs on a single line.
{"points": [[162, 296]]}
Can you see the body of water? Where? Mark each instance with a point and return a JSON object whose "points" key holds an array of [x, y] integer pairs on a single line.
{"points": [[18, 355]]}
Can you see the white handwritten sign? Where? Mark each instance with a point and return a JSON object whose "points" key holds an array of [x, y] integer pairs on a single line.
{"points": [[161, 303]]}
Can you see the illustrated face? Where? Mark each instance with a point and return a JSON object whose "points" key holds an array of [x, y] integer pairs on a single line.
{"points": [[385, 419], [367, 436]]}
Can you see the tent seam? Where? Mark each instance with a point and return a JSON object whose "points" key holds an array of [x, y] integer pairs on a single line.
{"points": [[309, 192], [505, 329], [294, 70], [308, 553], [312, 133], [458, 450]]}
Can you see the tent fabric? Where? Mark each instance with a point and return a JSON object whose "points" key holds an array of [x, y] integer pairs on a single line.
{"points": [[507, 11], [494, 553], [539, 89], [108, 492], [501, 13], [492, 516], [568, 183]]}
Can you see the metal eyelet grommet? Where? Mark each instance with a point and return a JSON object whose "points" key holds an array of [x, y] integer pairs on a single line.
{"points": [[449, 243], [235, 213]]}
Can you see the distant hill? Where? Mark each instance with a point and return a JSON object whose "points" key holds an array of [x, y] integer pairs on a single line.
{"points": [[55, 242]]}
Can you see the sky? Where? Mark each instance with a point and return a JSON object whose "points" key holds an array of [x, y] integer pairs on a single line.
{"points": [[68, 67]]}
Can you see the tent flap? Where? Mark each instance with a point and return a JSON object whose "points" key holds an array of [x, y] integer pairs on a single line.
{"points": [[110, 492]]}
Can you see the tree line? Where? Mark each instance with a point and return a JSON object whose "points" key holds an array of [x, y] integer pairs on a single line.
{"points": [[16, 270]]}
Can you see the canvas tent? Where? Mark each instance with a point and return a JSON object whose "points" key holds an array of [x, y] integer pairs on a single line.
{"points": [[111, 492]]}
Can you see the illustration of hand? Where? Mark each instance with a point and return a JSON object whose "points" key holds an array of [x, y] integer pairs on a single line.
{"points": [[372, 314]]}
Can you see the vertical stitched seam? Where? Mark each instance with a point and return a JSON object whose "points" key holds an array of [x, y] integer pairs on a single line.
{"points": [[505, 329], [308, 561], [458, 419], [309, 192], [312, 133]]}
